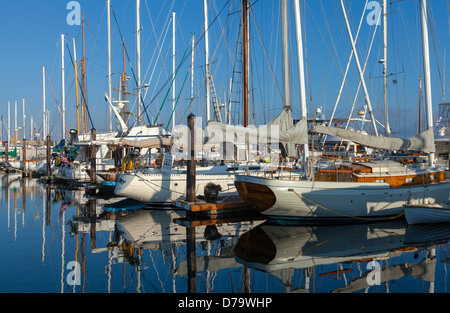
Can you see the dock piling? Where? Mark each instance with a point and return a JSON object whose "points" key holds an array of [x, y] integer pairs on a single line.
{"points": [[191, 172], [49, 169]]}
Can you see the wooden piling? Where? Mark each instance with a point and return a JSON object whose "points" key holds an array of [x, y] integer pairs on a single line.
{"points": [[24, 158], [191, 259], [49, 169], [191, 171], [93, 178]]}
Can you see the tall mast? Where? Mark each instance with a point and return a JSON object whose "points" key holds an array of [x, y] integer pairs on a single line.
{"points": [[9, 122], [138, 57], [192, 68], [426, 71], [173, 68], [83, 80], [301, 71], [15, 124], [208, 99], [245, 60], [23, 119], [44, 127], [420, 105], [386, 111], [63, 89], [124, 83], [109, 62], [285, 52], [76, 84]]}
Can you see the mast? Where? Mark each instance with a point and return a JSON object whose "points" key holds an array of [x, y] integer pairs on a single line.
{"points": [[109, 62], [285, 52], [124, 83], [44, 129], [386, 111], [138, 57], [83, 80], [9, 122], [192, 68], [63, 89], [23, 119], [301, 72], [420, 105], [245, 60], [15, 126], [173, 68], [76, 84], [426, 71], [208, 99]]}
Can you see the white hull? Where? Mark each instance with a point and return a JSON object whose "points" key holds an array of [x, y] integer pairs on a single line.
{"points": [[427, 213], [342, 200], [166, 188]]}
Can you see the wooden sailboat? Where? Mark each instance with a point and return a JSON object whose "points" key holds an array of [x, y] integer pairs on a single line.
{"points": [[375, 191]]}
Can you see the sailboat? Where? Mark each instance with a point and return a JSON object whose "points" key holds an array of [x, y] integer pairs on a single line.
{"points": [[359, 192], [166, 184], [137, 136]]}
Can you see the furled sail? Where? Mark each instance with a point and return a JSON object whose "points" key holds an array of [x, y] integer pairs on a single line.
{"points": [[423, 142], [280, 130]]}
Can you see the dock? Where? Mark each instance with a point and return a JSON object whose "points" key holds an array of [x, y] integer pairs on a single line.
{"points": [[200, 205]]}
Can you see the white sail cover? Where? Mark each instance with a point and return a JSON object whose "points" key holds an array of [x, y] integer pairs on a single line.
{"points": [[152, 142], [423, 142], [280, 130]]}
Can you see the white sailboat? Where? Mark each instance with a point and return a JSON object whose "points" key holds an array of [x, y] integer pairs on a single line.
{"points": [[138, 136], [373, 190], [166, 184]]}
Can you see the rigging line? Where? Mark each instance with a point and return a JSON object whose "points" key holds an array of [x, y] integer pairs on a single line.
{"points": [[60, 113], [158, 45], [157, 59], [82, 91], [221, 25], [185, 57], [96, 34], [178, 98], [170, 87], [332, 38], [265, 54], [129, 61], [346, 71], [433, 34]]}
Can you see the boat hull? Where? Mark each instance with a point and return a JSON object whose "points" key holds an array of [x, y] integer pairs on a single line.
{"points": [[334, 201], [428, 213], [162, 188]]}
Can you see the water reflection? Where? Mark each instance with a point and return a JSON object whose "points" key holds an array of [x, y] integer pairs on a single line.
{"points": [[123, 246], [341, 258]]}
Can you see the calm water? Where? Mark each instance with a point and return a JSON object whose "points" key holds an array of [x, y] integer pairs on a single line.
{"points": [[45, 231]]}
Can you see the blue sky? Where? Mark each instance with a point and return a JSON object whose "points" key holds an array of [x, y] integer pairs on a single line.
{"points": [[31, 29]]}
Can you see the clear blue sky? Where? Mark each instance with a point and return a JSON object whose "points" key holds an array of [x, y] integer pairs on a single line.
{"points": [[31, 29]]}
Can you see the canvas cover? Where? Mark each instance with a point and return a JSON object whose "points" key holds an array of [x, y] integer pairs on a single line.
{"points": [[423, 142]]}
